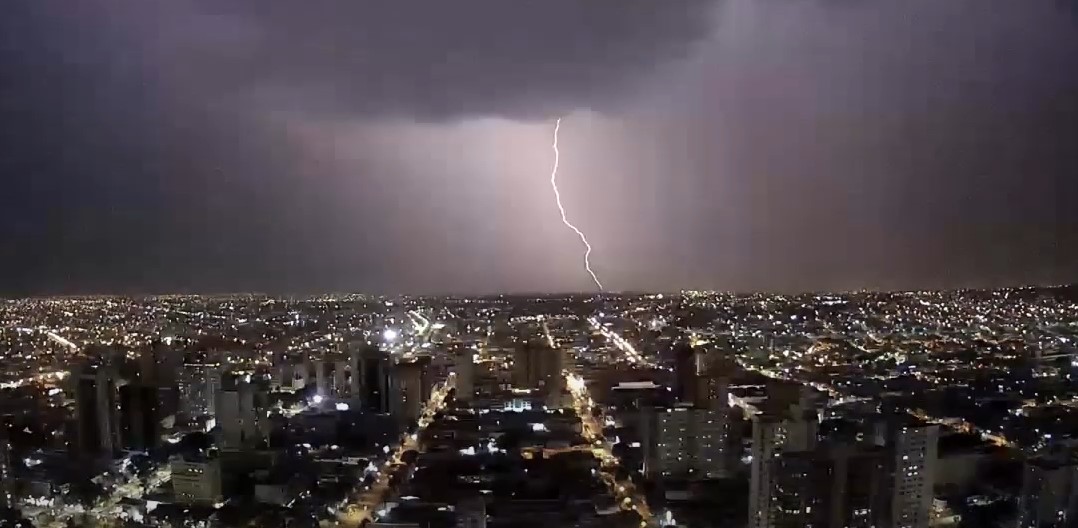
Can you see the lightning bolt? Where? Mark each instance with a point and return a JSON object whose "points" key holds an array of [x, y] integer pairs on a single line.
{"points": [[561, 209]]}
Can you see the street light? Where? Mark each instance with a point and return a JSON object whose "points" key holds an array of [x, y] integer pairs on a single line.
{"points": [[389, 335]]}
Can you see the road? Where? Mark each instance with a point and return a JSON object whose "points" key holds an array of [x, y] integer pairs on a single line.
{"points": [[956, 425], [624, 490], [106, 510], [627, 348], [361, 508]]}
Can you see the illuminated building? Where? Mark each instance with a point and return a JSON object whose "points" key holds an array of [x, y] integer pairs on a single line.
{"points": [[914, 449], [684, 442], [196, 480], [198, 384], [839, 486]]}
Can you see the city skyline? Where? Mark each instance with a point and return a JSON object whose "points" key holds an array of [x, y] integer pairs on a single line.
{"points": [[732, 145]]}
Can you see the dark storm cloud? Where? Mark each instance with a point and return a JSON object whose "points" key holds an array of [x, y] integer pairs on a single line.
{"points": [[430, 60], [742, 144], [139, 149]]}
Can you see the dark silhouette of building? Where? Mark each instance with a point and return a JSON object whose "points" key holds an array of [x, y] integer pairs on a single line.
{"points": [[96, 421], [140, 416]]}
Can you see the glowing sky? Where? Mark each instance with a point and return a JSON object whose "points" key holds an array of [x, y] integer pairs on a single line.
{"points": [[227, 145]]}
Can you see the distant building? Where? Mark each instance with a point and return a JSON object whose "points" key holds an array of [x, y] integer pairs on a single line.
{"points": [[464, 365], [198, 385], [196, 480], [1049, 496], [241, 413]]}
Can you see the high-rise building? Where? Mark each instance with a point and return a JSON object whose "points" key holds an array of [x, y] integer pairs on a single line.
{"points": [[301, 374], [374, 385], [912, 468], [140, 416], [685, 372], [355, 360], [684, 442], [426, 376], [408, 379], [835, 486], [526, 365], [196, 480], [241, 413], [786, 425], [538, 366], [282, 376], [464, 365], [321, 378], [472, 513], [340, 386], [1049, 495], [97, 425], [7, 475], [158, 364], [714, 371], [198, 385]]}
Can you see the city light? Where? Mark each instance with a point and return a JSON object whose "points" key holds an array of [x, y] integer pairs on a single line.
{"points": [[389, 335]]}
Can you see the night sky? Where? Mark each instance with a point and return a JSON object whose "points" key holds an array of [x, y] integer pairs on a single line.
{"points": [[404, 146]]}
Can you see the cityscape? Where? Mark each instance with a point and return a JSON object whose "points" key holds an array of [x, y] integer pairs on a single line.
{"points": [[539, 264], [689, 408]]}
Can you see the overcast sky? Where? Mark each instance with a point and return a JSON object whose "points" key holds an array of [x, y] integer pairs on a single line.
{"points": [[404, 147]]}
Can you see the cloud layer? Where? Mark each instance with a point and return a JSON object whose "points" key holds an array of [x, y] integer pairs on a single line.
{"points": [[416, 59]]}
